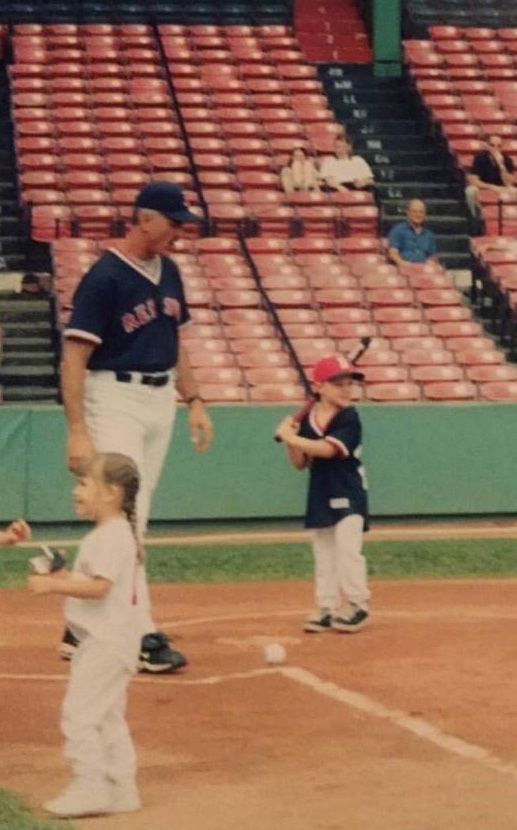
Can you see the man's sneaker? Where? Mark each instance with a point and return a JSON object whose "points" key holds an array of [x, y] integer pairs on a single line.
{"points": [[82, 798], [318, 621], [156, 655], [123, 798], [68, 645], [350, 618]]}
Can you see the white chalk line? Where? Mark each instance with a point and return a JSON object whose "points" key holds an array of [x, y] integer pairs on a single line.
{"points": [[394, 532], [418, 727], [140, 679], [449, 615]]}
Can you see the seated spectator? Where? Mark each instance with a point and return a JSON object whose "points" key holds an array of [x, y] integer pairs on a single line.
{"points": [[300, 172], [343, 171], [410, 240], [491, 170]]}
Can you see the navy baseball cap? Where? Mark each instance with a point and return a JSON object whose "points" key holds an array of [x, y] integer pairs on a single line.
{"points": [[166, 198]]}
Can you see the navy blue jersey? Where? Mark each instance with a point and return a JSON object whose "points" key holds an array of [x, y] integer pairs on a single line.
{"points": [[133, 322], [337, 485]]}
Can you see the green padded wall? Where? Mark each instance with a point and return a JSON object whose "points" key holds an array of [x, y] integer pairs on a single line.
{"points": [[420, 459]]}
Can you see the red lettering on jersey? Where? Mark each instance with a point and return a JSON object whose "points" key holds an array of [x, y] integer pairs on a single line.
{"points": [[130, 323], [145, 312], [142, 314]]}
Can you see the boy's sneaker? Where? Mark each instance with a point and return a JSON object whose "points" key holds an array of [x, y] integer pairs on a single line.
{"points": [[82, 798], [68, 645], [350, 618], [156, 655], [318, 622]]}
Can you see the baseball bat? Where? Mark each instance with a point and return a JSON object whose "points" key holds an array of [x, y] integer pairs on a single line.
{"points": [[352, 358]]}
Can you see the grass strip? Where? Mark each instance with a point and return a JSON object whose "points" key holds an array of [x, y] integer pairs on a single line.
{"points": [[14, 815], [416, 559]]}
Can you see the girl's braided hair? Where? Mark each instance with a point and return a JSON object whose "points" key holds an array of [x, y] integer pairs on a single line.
{"points": [[116, 468]]}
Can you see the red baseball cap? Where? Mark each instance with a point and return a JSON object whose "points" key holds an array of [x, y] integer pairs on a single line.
{"points": [[334, 367]]}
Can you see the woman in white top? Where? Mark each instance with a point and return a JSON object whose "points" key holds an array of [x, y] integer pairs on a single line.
{"points": [[300, 173], [104, 610]]}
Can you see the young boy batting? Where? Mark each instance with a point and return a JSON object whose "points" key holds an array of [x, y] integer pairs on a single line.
{"points": [[327, 440]]}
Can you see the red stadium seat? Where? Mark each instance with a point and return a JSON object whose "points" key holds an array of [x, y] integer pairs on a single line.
{"points": [[439, 296], [397, 314], [213, 360], [486, 373], [431, 373], [390, 297], [502, 390], [479, 357], [385, 374], [404, 329], [450, 391], [422, 357], [263, 359], [348, 314], [438, 313], [394, 392], [277, 392]]}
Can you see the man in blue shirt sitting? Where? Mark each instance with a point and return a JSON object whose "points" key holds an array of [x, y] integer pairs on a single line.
{"points": [[410, 240]]}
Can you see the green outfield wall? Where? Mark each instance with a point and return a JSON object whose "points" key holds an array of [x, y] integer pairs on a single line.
{"points": [[420, 459]]}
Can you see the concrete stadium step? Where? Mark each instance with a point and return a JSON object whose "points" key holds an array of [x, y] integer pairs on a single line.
{"points": [[387, 127], [365, 96], [423, 156], [414, 190], [373, 113], [10, 226], [14, 343], [29, 393], [387, 143], [28, 376], [409, 174], [40, 328], [13, 262], [21, 309], [11, 245], [32, 358]]}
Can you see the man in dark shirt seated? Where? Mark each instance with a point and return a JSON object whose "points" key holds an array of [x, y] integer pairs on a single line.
{"points": [[410, 240], [491, 170]]}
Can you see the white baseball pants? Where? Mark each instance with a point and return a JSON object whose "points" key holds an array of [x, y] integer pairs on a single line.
{"points": [[98, 743], [340, 567], [135, 420]]}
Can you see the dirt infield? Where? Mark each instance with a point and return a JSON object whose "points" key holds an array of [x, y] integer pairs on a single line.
{"points": [[409, 725]]}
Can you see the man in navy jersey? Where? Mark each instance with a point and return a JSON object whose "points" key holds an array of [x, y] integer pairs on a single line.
{"points": [[327, 441], [123, 362]]}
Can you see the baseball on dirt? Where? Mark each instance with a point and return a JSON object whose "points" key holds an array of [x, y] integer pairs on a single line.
{"points": [[274, 654]]}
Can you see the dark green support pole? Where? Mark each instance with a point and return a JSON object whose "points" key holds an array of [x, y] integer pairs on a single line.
{"points": [[387, 49]]}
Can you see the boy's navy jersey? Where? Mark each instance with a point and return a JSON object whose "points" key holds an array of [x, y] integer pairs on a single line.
{"points": [[133, 322], [337, 485]]}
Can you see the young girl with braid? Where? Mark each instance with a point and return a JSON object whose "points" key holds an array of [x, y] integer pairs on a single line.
{"points": [[103, 609]]}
